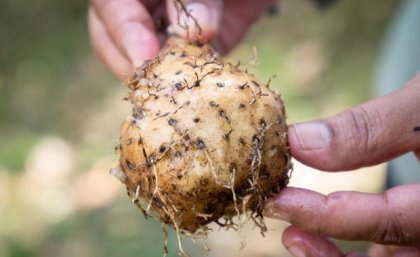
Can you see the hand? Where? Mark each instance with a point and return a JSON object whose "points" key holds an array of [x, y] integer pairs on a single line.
{"points": [[365, 135], [302, 243], [124, 33]]}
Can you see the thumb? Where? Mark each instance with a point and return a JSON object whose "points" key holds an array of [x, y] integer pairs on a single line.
{"points": [[204, 13], [368, 134]]}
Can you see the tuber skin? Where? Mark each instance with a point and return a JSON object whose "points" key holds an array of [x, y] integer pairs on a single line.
{"points": [[205, 142]]}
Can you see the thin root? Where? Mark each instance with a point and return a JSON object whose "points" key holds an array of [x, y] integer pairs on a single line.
{"points": [[165, 233], [235, 203], [156, 191], [178, 236], [182, 9]]}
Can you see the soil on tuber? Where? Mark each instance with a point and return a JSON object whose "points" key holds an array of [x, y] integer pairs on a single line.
{"points": [[206, 141]]}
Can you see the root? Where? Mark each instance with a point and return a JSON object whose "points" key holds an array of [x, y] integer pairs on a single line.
{"points": [[172, 204], [271, 78], [258, 143], [135, 200], [165, 233], [213, 172], [146, 215], [137, 192], [228, 224], [254, 56], [235, 200], [256, 163], [259, 222], [169, 212], [160, 196], [156, 191], [177, 230], [235, 203], [179, 5], [172, 113], [211, 165], [254, 97], [202, 235], [203, 215], [205, 246]]}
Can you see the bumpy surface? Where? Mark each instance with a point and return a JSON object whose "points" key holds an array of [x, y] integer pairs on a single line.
{"points": [[206, 141]]}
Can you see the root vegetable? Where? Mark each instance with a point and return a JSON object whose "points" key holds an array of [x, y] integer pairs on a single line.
{"points": [[205, 142]]}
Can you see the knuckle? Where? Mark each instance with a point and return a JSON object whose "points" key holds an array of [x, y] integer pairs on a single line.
{"points": [[320, 226], [359, 128], [391, 230], [362, 128]]}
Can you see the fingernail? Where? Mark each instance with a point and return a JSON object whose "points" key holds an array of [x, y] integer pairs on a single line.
{"points": [[312, 136], [271, 210], [296, 251], [202, 13]]}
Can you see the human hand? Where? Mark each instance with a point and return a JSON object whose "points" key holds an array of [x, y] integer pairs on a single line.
{"points": [[124, 33], [365, 135]]}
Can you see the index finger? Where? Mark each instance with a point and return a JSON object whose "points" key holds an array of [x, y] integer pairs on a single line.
{"points": [[389, 218], [130, 27]]}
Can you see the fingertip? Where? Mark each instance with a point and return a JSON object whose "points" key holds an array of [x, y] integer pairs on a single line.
{"points": [[140, 43], [365, 135], [130, 26], [205, 13], [293, 204], [105, 49], [291, 236], [303, 243], [294, 144], [310, 143], [281, 205]]}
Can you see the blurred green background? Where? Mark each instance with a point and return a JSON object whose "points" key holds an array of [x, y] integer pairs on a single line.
{"points": [[60, 112]]}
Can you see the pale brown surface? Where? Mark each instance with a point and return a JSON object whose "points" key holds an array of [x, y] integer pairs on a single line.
{"points": [[201, 124]]}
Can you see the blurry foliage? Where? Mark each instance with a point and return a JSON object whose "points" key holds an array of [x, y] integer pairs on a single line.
{"points": [[13, 151], [344, 41], [50, 83], [109, 234], [45, 84]]}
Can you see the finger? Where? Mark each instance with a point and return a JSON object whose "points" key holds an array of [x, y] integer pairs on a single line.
{"points": [[105, 48], [377, 250], [388, 218], [408, 252], [161, 22], [238, 17], [207, 13], [302, 243], [130, 27], [365, 135]]}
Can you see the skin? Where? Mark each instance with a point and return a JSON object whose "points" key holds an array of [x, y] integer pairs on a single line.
{"points": [[124, 35], [368, 134]]}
